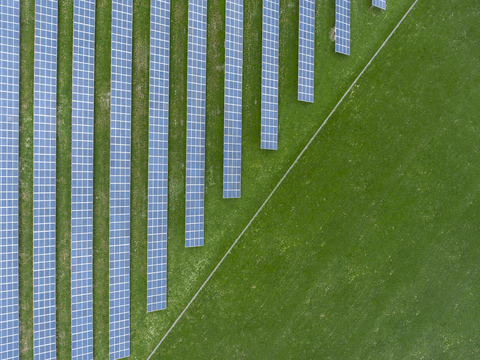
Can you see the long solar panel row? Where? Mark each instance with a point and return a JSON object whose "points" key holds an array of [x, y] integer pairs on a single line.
{"points": [[232, 143], [44, 169], [382, 4], [121, 65], [195, 179], [342, 27], [82, 178], [269, 126], [306, 50], [158, 155], [9, 92]]}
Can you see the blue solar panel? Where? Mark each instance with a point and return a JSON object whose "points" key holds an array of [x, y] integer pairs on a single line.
{"points": [[44, 169], [82, 178], [382, 4], [158, 155], [232, 140], [342, 27], [306, 50], [9, 77], [195, 179], [121, 65], [270, 75]]}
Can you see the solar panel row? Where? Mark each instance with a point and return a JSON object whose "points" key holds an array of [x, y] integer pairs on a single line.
{"points": [[270, 75], [121, 64], [306, 50], [382, 4], [342, 27], [82, 178], [44, 169], [195, 179], [158, 155], [232, 140], [9, 91]]}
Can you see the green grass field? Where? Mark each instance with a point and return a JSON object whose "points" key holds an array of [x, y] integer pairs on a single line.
{"points": [[367, 249]]}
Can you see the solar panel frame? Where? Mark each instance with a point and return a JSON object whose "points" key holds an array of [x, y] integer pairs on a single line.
{"points": [[270, 36], [158, 155], [120, 135], [9, 126], [382, 4], [195, 168], [342, 27], [82, 179], [44, 179], [306, 50], [232, 140]]}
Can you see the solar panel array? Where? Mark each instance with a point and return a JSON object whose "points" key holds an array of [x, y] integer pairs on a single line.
{"points": [[195, 179], [158, 155], [342, 27], [121, 65], [382, 4], [82, 178], [269, 126], [306, 50], [232, 143], [44, 169], [9, 83]]}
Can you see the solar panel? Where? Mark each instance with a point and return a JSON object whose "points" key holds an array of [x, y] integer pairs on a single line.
{"points": [[270, 75], [82, 178], [232, 140], [306, 50], [342, 27], [121, 65], [382, 4], [44, 169], [195, 179], [9, 77], [158, 155]]}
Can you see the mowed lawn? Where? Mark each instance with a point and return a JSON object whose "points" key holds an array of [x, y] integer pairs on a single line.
{"points": [[368, 247]]}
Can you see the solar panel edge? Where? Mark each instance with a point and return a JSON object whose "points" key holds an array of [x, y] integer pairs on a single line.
{"points": [[381, 4]]}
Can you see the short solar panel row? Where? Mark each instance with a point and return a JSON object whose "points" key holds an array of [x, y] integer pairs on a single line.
{"points": [[195, 177], [44, 169], [306, 50], [120, 126], [158, 155], [269, 127], [9, 92], [382, 4], [82, 178], [232, 143], [342, 27]]}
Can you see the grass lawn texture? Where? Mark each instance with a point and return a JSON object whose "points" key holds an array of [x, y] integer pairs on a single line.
{"points": [[366, 250]]}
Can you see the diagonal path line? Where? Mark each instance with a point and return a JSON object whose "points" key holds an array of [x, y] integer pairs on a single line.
{"points": [[281, 180]]}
